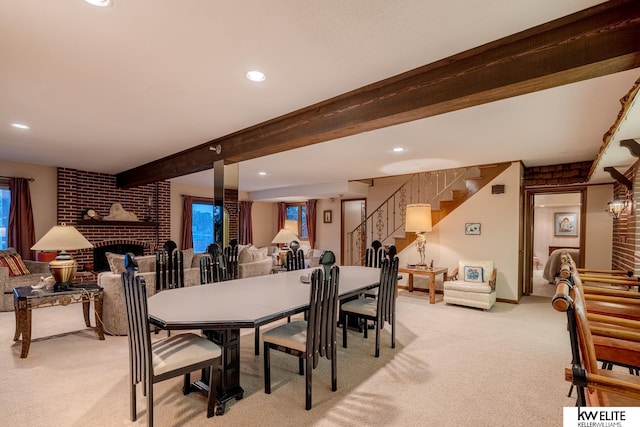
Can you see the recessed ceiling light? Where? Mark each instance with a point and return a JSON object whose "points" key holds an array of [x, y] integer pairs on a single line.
{"points": [[256, 76], [398, 149], [20, 126], [262, 173], [99, 3]]}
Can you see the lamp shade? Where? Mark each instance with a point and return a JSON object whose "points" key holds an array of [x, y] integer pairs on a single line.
{"points": [[418, 217], [62, 238], [284, 236]]}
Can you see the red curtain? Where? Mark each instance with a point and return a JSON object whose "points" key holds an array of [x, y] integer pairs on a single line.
{"points": [[311, 221], [246, 226], [187, 216], [282, 215], [22, 233]]}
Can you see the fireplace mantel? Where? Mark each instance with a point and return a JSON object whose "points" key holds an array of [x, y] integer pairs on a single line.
{"points": [[103, 223]]}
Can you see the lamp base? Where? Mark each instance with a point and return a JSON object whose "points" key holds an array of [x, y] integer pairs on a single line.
{"points": [[59, 287], [63, 268]]}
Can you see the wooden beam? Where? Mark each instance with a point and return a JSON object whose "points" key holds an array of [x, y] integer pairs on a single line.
{"points": [[591, 43]]}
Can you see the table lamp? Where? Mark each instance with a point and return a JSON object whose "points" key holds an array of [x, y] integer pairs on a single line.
{"points": [[62, 238], [284, 237], [419, 220]]}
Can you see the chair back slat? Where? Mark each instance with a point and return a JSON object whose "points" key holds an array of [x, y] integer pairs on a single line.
{"points": [[231, 252], [295, 259], [135, 296], [321, 321], [206, 269], [374, 255], [177, 273], [387, 293]]}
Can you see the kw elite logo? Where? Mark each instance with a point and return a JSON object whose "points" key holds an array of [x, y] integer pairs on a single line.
{"points": [[601, 417]]}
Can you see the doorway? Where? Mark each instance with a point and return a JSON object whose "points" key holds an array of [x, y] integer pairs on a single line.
{"points": [[353, 242], [554, 219]]}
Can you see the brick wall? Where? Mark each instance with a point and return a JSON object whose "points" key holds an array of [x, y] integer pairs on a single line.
{"points": [[82, 190], [567, 173], [625, 243]]}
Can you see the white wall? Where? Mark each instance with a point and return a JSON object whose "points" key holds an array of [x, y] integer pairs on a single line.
{"points": [[544, 230], [328, 235], [499, 216], [598, 242]]}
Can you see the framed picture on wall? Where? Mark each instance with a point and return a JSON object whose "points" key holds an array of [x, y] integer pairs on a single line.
{"points": [[565, 224], [327, 217]]}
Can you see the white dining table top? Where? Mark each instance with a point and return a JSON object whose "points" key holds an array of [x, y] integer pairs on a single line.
{"points": [[249, 302]]}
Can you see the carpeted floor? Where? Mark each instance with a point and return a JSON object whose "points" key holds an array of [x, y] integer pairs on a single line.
{"points": [[452, 366]]}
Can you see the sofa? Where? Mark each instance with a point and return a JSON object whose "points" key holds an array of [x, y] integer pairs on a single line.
{"points": [[12, 269], [472, 284], [254, 261], [114, 316]]}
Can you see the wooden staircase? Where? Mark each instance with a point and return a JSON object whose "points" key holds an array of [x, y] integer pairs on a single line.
{"points": [[450, 189], [458, 197]]}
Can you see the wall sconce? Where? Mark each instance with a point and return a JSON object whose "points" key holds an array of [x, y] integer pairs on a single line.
{"points": [[617, 207]]}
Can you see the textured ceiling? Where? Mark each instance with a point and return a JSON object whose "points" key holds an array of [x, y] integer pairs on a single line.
{"points": [[108, 89]]}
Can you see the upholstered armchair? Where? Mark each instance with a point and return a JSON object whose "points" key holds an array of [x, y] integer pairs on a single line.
{"points": [[472, 284]]}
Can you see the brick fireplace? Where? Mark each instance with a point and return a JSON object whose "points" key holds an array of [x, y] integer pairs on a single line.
{"points": [[81, 190]]}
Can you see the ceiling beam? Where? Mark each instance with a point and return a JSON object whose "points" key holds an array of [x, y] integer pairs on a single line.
{"points": [[591, 43]]}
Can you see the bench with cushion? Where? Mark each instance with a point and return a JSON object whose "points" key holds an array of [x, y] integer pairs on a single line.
{"points": [[472, 284]]}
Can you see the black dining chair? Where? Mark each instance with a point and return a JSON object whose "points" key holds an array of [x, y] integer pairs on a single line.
{"points": [[295, 257], [231, 253], [310, 339], [150, 363], [380, 310]]}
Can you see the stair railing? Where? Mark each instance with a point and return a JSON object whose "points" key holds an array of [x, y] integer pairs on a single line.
{"points": [[388, 219]]}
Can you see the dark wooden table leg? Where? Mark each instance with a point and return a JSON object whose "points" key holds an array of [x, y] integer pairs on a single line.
{"points": [[16, 335], [86, 301], [228, 384], [24, 314], [410, 282], [97, 310]]}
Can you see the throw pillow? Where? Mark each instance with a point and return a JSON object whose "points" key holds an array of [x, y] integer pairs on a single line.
{"points": [[146, 263], [15, 265], [473, 274], [187, 258], [252, 254], [116, 262]]}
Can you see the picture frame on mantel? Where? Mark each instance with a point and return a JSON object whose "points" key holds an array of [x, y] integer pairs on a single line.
{"points": [[327, 217]]}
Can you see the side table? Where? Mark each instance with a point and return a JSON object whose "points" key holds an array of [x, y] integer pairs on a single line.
{"points": [[26, 299], [432, 272]]}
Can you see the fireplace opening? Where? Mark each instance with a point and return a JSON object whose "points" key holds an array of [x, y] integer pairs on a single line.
{"points": [[100, 262]]}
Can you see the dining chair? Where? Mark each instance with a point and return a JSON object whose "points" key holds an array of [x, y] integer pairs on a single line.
{"points": [[152, 362], [379, 310], [309, 339], [231, 253], [295, 257], [374, 254]]}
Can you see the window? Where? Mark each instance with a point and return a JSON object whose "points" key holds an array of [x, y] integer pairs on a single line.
{"points": [[5, 200], [203, 216], [298, 212]]}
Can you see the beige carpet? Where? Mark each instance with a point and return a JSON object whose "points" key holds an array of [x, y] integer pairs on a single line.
{"points": [[452, 366]]}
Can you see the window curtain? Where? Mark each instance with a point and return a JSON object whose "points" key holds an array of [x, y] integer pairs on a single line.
{"points": [[282, 215], [22, 233], [246, 226], [187, 217], [311, 221]]}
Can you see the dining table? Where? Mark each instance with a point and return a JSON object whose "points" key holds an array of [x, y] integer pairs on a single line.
{"points": [[221, 309]]}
